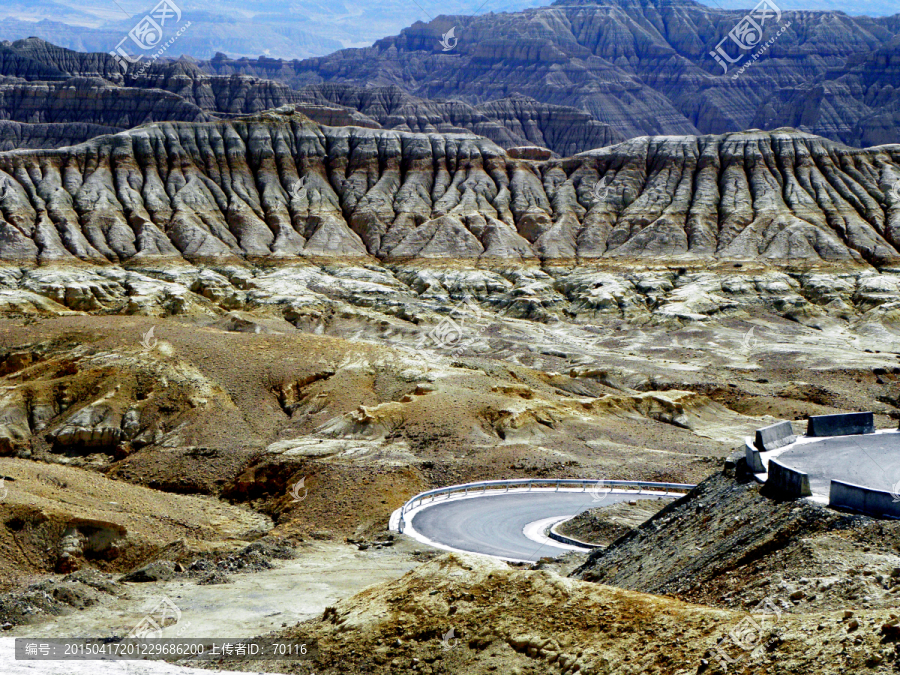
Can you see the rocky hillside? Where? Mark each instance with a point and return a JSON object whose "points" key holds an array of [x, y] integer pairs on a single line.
{"points": [[569, 77], [509, 122], [92, 102], [727, 544], [18, 135], [643, 68], [35, 59], [857, 103], [465, 615], [604, 525], [279, 185], [46, 84]]}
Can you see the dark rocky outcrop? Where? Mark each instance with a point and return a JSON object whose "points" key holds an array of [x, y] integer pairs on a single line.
{"points": [[726, 544], [231, 95], [34, 59], [17, 135], [858, 103], [92, 102], [180, 91], [569, 77], [509, 122]]}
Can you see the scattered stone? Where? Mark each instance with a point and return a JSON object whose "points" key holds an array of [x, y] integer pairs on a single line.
{"points": [[214, 579], [160, 570]]}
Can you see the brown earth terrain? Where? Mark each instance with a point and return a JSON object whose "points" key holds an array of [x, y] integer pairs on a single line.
{"points": [[466, 614], [238, 382]]}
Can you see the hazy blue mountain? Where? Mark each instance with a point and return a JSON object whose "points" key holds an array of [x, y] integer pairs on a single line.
{"points": [[284, 28], [276, 28]]}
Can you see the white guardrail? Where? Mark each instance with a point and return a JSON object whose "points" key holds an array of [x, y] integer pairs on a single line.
{"points": [[529, 483]]}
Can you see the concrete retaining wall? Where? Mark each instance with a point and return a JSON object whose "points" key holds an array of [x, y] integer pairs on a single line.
{"points": [[787, 482], [563, 539], [876, 503], [774, 437], [841, 425]]}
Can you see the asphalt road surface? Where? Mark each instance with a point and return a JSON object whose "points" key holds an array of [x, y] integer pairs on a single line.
{"points": [[872, 460], [493, 524]]}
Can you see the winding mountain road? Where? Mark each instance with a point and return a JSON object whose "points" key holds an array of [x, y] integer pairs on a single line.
{"points": [[507, 525]]}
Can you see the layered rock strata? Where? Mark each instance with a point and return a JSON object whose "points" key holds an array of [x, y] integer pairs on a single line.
{"points": [[277, 185]]}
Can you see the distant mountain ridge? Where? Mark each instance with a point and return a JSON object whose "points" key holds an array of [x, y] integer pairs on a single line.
{"points": [[640, 67], [283, 28], [42, 83], [569, 77]]}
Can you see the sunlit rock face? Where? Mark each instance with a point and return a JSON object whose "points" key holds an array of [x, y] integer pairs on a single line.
{"points": [[277, 185]]}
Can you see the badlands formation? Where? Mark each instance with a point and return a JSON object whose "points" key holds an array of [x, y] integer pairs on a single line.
{"points": [[276, 185], [199, 316]]}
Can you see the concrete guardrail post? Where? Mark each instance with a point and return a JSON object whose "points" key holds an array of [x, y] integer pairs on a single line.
{"points": [[850, 424], [774, 436], [871, 502], [754, 460], [787, 482]]}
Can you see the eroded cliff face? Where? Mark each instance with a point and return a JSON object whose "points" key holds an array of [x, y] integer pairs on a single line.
{"points": [[643, 68], [22, 136], [278, 185], [569, 77], [510, 122], [92, 101], [34, 59], [857, 103], [44, 84], [227, 95]]}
